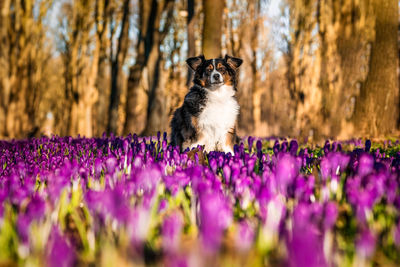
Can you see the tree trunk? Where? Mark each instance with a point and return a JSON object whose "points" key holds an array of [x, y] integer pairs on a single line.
{"points": [[248, 52], [190, 36], [144, 75], [22, 60], [136, 104], [156, 109], [212, 27], [102, 85], [81, 68], [116, 71], [377, 108], [100, 113]]}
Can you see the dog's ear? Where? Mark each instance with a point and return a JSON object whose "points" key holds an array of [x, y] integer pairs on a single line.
{"points": [[195, 62], [234, 62]]}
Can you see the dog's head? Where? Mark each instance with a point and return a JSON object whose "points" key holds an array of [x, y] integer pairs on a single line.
{"points": [[213, 73]]}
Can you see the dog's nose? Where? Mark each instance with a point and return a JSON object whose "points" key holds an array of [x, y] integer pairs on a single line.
{"points": [[216, 76]]}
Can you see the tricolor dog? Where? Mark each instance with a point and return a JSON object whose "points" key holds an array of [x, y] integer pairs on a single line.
{"points": [[209, 111]]}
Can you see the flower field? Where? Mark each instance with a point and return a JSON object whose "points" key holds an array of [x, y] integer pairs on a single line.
{"points": [[116, 201]]}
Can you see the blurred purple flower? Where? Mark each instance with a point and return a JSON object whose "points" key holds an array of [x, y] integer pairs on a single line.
{"points": [[23, 228], [138, 226], [286, 170], [163, 205], [293, 147], [365, 244], [365, 164], [396, 235], [147, 179], [109, 202], [304, 241], [111, 164], [215, 216], [171, 231], [250, 141], [60, 252], [367, 145], [259, 146], [36, 207], [98, 166], [325, 167], [330, 215], [213, 165], [244, 236]]}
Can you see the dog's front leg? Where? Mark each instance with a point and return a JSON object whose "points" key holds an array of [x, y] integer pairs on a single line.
{"points": [[227, 142]]}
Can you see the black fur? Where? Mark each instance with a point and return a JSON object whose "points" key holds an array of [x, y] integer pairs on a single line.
{"points": [[181, 124], [182, 128]]}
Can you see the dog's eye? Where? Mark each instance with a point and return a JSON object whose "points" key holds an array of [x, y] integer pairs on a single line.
{"points": [[222, 69]]}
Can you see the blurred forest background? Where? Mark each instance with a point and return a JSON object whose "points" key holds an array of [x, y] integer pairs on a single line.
{"points": [[312, 68]]}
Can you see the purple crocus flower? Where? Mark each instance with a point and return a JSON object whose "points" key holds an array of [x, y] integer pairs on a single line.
{"points": [[259, 146], [367, 145], [365, 165], [286, 170], [163, 205], [250, 141], [215, 216], [111, 164], [148, 178], [293, 147], [227, 173], [98, 167], [304, 242], [284, 146], [325, 167], [327, 147], [36, 207], [110, 202], [3, 196], [330, 215], [171, 231], [245, 236], [60, 252], [23, 228], [175, 261], [396, 235], [365, 244], [213, 165], [276, 147], [138, 226]]}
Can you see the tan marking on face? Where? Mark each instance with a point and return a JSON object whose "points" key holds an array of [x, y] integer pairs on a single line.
{"points": [[230, 138], [225, 75], [202, 82], [227, 79]]}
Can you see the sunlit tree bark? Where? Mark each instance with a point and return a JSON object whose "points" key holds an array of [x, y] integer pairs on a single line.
{"points": [[142, 98], [343, 64], [81, 66], [344, 55], [212, 28], [117, 62], [103, 14], [23, 58], [191, 38], [248, 47], [377, 107]]}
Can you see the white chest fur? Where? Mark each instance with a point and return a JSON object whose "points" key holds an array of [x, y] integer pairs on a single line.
{"points": [[217, 118]]}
